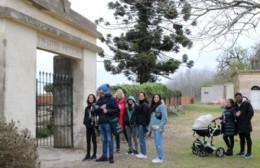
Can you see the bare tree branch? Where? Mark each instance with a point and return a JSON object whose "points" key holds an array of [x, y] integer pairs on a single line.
{"points": [[224, 20]]}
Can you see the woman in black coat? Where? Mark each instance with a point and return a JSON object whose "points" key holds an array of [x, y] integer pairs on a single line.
{"points": [[90, 121], [229, 125]]}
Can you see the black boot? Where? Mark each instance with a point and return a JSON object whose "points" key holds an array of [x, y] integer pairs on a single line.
{"points": [[229, 152], [87, 157], [111, 159], [93, 157], [101, 159]]}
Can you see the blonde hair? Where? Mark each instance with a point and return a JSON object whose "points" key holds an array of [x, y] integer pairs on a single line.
{"points": [[119, 92]]}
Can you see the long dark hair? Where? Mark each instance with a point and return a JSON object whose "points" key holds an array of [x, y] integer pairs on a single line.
{"points": [[232, 102], [154, 104], [145, 98], [94, 101]]}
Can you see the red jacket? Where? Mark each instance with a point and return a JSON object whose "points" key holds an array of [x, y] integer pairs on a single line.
{"points": [[121, 103]]}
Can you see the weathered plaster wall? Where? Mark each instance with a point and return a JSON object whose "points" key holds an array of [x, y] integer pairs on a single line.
{"points": [[2, 69], [20, 69]]}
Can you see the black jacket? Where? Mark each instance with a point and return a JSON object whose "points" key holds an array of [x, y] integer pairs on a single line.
{"points": [[112, 108], [90, 118], [228, 121], [143, 114], [244, 120]]}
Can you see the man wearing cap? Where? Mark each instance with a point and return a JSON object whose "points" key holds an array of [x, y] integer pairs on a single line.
{"points": [[107, 109]]}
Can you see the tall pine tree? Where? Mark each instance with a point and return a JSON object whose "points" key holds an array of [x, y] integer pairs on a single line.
{"points": [[153, 32]]}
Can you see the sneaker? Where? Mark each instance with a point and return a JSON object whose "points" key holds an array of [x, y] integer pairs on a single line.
{"points": [[157, 160], [141, 156], [111, 159], [154, 159], [117, 150], [248, 155], [134, 152], [101, 159], [240, 154], [93, 157], [129, 152], [87, 157]]}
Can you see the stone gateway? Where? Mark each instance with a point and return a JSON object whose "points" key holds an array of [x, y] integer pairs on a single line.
{"points": [[50, 25]]}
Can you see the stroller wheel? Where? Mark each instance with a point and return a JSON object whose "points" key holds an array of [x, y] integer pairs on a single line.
{"points": [[202, 153], [220, 152], [194, 151], [194, 148]]}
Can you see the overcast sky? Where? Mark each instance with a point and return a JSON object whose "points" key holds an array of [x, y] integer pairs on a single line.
{"points": [[93, 9]]}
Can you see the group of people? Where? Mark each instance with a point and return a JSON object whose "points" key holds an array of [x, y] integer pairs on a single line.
{"points": [[236, 119], [135, 117]]}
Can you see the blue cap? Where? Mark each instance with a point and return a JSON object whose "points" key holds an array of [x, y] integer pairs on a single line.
{"points": [[105, 87]]}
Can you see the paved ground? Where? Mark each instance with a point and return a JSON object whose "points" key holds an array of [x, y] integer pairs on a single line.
{"points": [[61, 158], [72, 158]]}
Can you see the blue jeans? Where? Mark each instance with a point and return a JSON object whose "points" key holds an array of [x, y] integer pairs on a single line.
{"points": [[158, 140], [141, 135], [106, 137]]}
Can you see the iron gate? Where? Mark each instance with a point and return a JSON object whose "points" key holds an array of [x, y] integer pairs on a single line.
{"points": [[54, 110]]}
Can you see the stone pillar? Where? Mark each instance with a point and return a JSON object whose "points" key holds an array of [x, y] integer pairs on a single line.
{"points": [[62, 65], [62, 102], [79, 101], [17, 74], [84, 83]]}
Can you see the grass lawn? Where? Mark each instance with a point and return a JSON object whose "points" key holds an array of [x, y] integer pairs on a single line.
{"points": [[178, 141], [177, 145]]}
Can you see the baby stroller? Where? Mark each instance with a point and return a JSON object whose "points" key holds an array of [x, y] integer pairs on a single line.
{"points": [[205, 127]]}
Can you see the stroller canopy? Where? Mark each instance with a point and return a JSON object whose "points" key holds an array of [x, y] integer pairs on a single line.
{"points": [[202, 122]]}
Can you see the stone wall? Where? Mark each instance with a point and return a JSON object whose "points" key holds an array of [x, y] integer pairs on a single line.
{"points": [[19, 57], [244, 81]]}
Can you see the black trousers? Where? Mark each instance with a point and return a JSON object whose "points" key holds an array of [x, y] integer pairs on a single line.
{"points": [[245, 138], [91, 135], [229, 140]]}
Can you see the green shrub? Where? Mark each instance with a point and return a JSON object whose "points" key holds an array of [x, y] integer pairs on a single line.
{"points": [[42, 132], [174, 110], [148, 88], [45, 131], [17, 149]]}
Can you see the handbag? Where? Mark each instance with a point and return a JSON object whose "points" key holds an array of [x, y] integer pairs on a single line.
{"points": [[115, 126], [97, 132]]}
